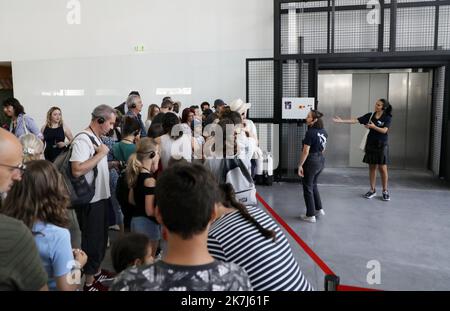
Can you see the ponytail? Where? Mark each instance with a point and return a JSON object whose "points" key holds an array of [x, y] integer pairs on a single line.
{"points": [[133, 168], [387, 107], [317, 115], [145, 149], [229, 201]]}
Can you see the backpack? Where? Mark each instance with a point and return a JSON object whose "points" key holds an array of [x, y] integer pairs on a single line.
{"points": [[237, 175], [80, 191]]}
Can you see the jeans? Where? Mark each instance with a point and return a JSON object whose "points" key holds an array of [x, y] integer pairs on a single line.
{"points": [[145, 226], [312, 168]]}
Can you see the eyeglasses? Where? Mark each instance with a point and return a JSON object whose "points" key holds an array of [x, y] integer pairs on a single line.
{"points": [[21, 167]]}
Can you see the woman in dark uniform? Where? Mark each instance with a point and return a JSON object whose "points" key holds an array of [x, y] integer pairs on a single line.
{"points": [[312, 163], [376, 149]]}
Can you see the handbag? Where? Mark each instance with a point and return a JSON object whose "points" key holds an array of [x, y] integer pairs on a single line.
{"points": [[363, 143]]}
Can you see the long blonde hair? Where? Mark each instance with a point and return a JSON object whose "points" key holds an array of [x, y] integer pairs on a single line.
{"points": [[33, 147], [49, 117], [146, 149]]}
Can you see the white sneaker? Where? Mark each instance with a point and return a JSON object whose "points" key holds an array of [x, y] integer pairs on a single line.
{"points": [[320, 212], [311, 219]]}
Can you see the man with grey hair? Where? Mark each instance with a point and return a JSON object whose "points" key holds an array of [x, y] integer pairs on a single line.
{"points": [[134, 104], [89, 159], [20, 265]]}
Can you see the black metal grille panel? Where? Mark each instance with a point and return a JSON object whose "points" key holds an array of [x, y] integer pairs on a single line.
{"points": [[415, 29], [387, 29], [260, 88], [307, 29], [304, 80], [350, 2], [444, 28], [266, 135], [410, 1], [295, 82], [290, 70], [304, 33], [292, 137], [303, 5], [353, 33], [312, 29], [438, 111]]}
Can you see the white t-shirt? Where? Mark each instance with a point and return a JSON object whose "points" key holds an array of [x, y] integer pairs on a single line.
{"points": [[247, 146], [176, 148], [147, 124], [252, 127], [83, 150]]}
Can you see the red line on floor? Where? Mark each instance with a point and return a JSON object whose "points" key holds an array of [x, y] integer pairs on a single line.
{"points": [[297, 238], [310, 252], [348, 288]]}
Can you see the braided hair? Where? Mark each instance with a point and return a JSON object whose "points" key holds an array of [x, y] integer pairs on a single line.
{"points": [[229, 201]]}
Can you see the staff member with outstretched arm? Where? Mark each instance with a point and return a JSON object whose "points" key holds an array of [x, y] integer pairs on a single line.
{"points": [[376, 149]]}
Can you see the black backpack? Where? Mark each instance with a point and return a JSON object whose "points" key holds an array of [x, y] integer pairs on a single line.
{"points": [[81, 192]]}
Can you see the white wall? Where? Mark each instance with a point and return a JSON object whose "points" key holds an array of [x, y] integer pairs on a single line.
{"points": [[200, 44]]}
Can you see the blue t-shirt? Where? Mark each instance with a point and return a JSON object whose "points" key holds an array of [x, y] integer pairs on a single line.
{"points": [[54, 247], [382, 122], [316, 139]]}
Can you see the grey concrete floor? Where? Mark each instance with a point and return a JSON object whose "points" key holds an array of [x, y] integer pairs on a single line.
{"points": [[409, 236]]}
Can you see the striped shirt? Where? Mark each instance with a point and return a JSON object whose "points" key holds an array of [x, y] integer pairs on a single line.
{"points": [[269, 264]]}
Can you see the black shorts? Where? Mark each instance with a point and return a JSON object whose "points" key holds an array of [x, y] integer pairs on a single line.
{"points": [[377, 152]]}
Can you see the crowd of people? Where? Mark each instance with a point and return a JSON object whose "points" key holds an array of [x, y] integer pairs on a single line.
{"points": [[185, 178]]}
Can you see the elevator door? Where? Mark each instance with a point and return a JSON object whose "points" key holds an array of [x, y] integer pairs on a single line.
{"points": [[355, 93]]}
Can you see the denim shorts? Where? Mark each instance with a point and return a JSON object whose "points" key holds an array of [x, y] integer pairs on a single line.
{"points": [[146, 226]]}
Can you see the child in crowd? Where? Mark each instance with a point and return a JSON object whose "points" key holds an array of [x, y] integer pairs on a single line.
{"points": [[131, 250]]}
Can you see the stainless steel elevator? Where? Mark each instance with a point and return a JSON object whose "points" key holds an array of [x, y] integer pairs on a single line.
{"points": [[354, 93]]}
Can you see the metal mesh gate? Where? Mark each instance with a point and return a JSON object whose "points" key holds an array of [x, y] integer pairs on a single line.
{"points": [[436, 122], [260, 93], [282, 138], [354, 26]]}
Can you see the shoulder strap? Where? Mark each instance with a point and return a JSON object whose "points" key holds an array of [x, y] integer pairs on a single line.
{"points": [[84, 133], [230, 164], [93, 142], [24, 124]]}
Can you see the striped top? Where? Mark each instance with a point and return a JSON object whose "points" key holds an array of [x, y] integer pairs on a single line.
{"points": [[269, 264]]}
